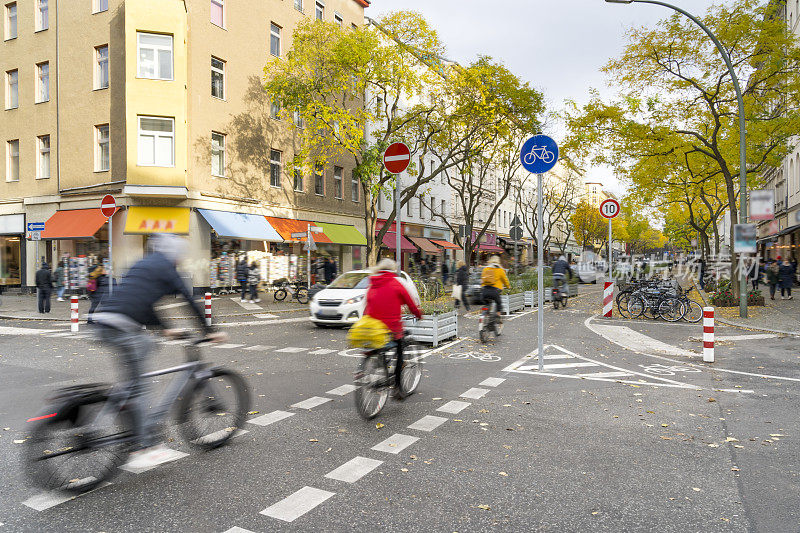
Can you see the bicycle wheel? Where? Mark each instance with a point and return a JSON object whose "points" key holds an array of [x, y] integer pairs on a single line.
{"points": [[302, 295], [671, 309], [694, 312], [372, 392], [636, 306], [411, 373], [65, 452], [213, 408], [483, 335], [280, 295], [564, 301]]}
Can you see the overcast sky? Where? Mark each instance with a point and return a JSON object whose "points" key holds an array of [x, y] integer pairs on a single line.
{"points": [[557, 45]]}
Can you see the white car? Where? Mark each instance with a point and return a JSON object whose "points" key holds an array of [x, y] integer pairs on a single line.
{"points": [[342, 302]]}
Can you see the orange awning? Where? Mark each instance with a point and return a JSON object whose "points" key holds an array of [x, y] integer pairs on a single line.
{"points": [[74, 224], [424, 245], [286, 226], [445, 244]]}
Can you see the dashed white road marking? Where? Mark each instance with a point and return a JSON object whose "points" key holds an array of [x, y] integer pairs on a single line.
{"points": [[265, 315], [62, 334], [8, 330], [758, 337], [258, 347], [562, 366], [491, 382], [221, 433], [46, 500], [395, 444], [354, 469], [428, 423], [270, 418], [236, 529], [606, 375], [322, 351], [297, 504], [291, 349], [475, 393], [342, 390], [227, 346], [263, 322], [453, 407], [311, 403], [169, 456], [247, 305]]}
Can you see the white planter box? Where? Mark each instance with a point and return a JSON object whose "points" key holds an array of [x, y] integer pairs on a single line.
{"points": [[513, 302], [572, 290], [532, 298], [434, 329]]}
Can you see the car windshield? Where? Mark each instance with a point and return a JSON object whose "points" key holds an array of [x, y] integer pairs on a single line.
{"points": [[351, 280]]}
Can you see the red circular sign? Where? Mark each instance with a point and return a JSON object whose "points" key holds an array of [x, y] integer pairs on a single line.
{"points": [[108, 205], [396, 158], [609, 208]]}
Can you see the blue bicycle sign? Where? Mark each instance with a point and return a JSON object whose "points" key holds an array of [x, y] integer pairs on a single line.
{"points": [[539, 154]]}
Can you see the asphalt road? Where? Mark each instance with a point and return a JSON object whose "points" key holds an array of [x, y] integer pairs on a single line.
{"points": [[615, 434]]}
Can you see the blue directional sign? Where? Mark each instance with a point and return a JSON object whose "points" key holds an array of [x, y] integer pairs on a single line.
{"points": [[35, 226], [539, 154]]}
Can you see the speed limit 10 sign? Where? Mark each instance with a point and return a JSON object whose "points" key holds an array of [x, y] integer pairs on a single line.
{"points": [[609, 208]]}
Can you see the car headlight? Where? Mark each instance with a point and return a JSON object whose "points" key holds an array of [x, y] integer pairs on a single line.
{"points": [[355, 299]]}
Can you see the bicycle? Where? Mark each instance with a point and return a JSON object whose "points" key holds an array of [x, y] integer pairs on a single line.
{"points": [[296, 291], [539, 152], [83, 424], [489, 322], [559, 293], [655, 303], [375, 376], [694, 311]]}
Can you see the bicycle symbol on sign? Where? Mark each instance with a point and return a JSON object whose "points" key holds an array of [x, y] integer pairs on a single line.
{"points": [[664, 370], [485, 357], [539, 152]]}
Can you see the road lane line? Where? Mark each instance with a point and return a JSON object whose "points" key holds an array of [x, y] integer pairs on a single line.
{"points": [[297, 504], [221, 433], [8, 330], [169, 456], [354, 469], [428, 423], [453, 407], [46, 500], [259, 347], [311, 403], [474, 393], [265, 315], [227, 346], [236, 529], [491, 382], [322, 351], [395, 444], [606, 375], [563, 366], [270, 418], [263, 322], [291, 349], [342, 390]]}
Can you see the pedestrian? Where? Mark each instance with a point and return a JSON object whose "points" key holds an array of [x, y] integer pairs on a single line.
{"points": [[461, 283], [58, 278], [445, 272], [97, 287], [329, 268], [786, 278], [753, 274], [241, 276], [253, 279], [702, 274], [44, 286], [772, 277], [423, 268], [793, 262]]}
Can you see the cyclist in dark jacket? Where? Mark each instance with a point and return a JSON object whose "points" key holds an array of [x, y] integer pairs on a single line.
{"points": [[560, 270], [462, 280]]}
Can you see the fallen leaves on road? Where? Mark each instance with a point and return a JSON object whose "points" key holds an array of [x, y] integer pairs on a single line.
{"points": [[379, 425], [484, 507], [771, 434], [731, 439], [313, 440], [695, 489], [19, 441], [503, 474], [252, 412], [711, 400]]}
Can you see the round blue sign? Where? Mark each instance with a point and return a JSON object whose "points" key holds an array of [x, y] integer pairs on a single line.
{"points": [[539, 154]]}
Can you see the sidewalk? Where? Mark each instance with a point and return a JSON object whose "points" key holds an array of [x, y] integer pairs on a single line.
{"points": [[24, 307], [777, 316]]}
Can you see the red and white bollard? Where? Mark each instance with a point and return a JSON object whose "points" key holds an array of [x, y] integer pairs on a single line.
{"points": [[208, 308], [608, 299], [708, 334], [74, 314]]}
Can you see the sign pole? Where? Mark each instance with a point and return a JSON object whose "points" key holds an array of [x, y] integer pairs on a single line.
{"points": [[308, 257], [610, 257], [110, 257], [540, 270], [397, 223]]}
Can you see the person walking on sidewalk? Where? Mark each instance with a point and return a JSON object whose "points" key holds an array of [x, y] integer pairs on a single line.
{"points": [[241, 276], [772, 277], [785, 275], [753, 275], [98, 290], [462, 280], [58, 278], [44, 287], [445, 272], [253, 279]]}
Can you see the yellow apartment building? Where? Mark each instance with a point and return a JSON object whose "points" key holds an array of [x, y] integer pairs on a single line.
{"points": [[159, 103]]}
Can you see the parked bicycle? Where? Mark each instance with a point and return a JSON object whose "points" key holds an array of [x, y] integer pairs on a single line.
{"points": [[654, 303], [295, 290], [86, 431]]}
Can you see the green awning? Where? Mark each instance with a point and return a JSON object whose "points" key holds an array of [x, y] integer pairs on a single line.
{"points": [[343, 234]]}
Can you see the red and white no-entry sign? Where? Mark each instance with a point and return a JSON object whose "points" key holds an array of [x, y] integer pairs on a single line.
{"points": [[108, 205], [396, 158], [609, 208]]}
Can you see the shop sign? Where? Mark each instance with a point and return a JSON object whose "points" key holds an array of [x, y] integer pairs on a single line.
{"points": [[762, 204], [744, 238], [12, 224], [155, 224]]}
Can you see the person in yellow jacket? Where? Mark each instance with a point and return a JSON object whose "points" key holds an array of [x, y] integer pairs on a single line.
{"points": [[493, 280]]}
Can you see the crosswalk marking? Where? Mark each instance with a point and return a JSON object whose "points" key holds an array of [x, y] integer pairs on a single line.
{"points": [[311, 403], [322, 351], [270, 418], [475, 393], [258, 347], [354, 469], [395, 444], [297, 504], [219, 434], [428, 423], [453, 407], [169, 455], [46, 500], [342, 390], [606, 375], [491, 382], [228, 346], [247, 305], [291, 349]]}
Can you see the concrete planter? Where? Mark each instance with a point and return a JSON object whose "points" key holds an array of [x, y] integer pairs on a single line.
{"points": [[532, 298], [572, 290], [513, 302], [436, 328]]}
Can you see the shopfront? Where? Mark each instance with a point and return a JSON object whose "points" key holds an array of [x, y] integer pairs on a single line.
{"points": [[12, 249]]}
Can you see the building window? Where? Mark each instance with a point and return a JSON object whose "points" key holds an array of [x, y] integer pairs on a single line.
{"points": [[337, 182], [433, 206], [218, 13], [12, 89], [443, 213], [217, 154], [102, 156], [421, 208], [100, 6], [320, 11], [356, 187], [43, 162], [42, 15], [298, 119], [12, 156], [337, 18], [275, 168], [275, 40], [319, 181], [409, 207], [298, 5], [101, 77], [155, 56], [380, 201], [156, 142], [11, 21], [275, 109], [298, 179], [42, 82], [217, 78]]}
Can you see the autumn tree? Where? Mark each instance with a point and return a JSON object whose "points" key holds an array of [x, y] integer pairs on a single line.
{"points": [[588, 226]]}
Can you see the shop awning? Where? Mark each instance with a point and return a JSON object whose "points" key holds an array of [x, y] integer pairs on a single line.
{"points": [[74, 224], [240, 225], [342, 234], [147, 220], [286, 226], [490, 248], [389, 241], [447, 245], [425, 245]]}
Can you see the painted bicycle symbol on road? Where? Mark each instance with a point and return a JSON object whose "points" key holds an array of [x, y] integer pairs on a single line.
{"points": [[484, 357], [539, 152], [664, 370]]}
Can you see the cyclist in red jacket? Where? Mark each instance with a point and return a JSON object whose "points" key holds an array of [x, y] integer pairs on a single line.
{"points": [[385, 299]]}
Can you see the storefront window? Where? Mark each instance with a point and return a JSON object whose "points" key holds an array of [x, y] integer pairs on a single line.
{"points": [[9, 260]]}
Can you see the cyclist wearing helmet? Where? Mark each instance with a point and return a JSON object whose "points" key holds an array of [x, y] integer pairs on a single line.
{"points": [[493, 280], [560, 270], [121, 318]]}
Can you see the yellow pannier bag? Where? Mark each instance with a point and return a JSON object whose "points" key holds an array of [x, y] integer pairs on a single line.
{"points": [[369, 333]]}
